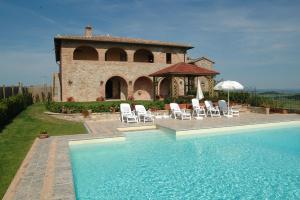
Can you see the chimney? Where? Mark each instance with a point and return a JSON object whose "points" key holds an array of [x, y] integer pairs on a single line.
{"points": [[88, 31]]}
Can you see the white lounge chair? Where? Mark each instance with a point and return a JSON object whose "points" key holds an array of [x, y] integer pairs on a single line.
{"points": [[176, 112], [127, 115], [143, 115], [227, 112], [198, 110], [212, 110]]}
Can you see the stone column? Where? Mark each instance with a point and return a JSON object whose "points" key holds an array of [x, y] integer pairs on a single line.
{"points": [[171, 87], [130, 55], [130, 89], [101, 54], [155, 83], [210, 86], [102, 89]]}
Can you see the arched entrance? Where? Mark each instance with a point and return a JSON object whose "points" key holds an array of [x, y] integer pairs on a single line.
{"points": [[142, 89], [164, 88], [116, 88]]}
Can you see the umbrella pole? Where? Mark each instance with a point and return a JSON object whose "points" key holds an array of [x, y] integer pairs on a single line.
{"points": [[228, 102]]}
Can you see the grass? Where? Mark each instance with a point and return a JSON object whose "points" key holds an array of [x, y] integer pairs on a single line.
{"points": [[17, 137]]}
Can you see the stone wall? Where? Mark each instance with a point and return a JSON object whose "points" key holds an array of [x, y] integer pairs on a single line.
{"points": [[85, 80], [204, 63]]}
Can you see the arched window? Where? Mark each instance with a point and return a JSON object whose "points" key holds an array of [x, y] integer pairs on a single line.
{"points": [[143, 55], [85, 53], [115, 54]]}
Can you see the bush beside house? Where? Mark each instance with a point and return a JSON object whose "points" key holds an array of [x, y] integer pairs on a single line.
{"points": [[12, 106]]}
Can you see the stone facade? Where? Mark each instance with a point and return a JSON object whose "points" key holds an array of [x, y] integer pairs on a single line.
{"points": [[205, 63], [91, 69]]}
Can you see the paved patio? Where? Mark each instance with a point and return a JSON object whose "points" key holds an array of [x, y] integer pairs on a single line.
{"points": [[46, 171]]}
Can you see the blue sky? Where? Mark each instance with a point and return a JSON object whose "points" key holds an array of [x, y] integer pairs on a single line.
{"points": [[255, 42]]}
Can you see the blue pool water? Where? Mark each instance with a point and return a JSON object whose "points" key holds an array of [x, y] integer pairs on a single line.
{"points": [[257, 164]]}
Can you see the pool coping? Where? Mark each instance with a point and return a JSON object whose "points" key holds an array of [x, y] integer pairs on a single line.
{"points": [[215, 130], [96, 140], [137, 128]]}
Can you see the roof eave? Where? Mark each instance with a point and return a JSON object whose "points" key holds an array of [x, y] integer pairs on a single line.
{"points": [[186, 74], [187, 47]]}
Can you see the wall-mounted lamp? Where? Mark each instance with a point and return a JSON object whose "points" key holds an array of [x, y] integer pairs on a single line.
{"points": [[130, 82], [101, 82]]}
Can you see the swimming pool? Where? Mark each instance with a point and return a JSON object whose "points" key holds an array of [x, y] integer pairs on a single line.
{"points": [[253, 164]]}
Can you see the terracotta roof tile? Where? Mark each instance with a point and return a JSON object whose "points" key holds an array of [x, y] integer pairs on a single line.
{"points": [[184, 69]]}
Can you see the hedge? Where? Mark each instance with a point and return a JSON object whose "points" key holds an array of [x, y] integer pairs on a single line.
{"points": [[108, 106], [97, 107], [12, 106]]}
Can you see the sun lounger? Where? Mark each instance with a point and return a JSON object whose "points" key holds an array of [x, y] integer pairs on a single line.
{"points": [[127, 115], [198, 110], [227, 111], [212, 110], [143, 115], [176, 112]]}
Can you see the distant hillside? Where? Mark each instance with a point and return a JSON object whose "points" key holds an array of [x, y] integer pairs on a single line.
{"points": [[296, 97], [270, 93]]}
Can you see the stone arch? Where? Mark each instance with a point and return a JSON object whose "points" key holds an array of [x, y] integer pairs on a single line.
{"points": [[164, 87], [116, 88], [142, 88], [85, 53], [143, 55], [115, 54]]}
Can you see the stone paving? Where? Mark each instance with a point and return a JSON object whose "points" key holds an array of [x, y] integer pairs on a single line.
{"points": [[48, 173], [217, 122]]}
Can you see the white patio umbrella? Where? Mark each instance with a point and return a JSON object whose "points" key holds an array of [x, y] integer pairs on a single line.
{"points": [[229, 86], [199, 94]]}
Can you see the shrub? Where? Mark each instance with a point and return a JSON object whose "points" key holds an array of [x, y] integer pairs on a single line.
{"points": [[184, 99], [12, 106], [97, 107]]}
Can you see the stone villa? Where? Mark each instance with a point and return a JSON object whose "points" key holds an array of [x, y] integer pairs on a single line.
{"points": [[104, 67]]}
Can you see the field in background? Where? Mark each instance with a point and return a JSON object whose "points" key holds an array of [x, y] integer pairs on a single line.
{"points": [[283, 100]]}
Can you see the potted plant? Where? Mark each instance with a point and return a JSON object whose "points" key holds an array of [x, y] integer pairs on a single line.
{"points": [[285, 111], [70, 99], [130, 98], [113, 108], [100, 98], [85, 113], [182, 102], [43, 135], [266, 105], [167, 102]]}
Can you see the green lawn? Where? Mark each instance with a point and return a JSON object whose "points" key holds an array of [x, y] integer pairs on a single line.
{"points": [[17, 138]]}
